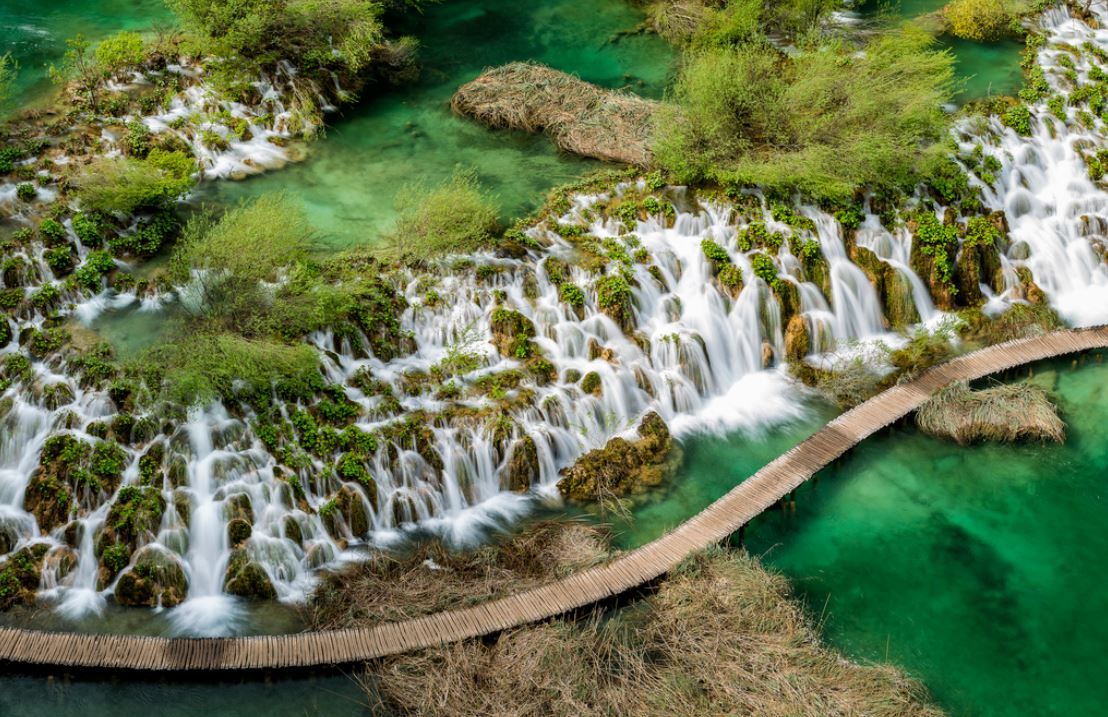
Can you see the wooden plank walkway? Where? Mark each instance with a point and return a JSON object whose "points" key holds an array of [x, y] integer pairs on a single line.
{"points": [[650, 561]]}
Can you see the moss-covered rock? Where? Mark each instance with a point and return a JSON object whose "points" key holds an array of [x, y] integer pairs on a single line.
{"points": [[592, 384], [522, 470], [622, 466], [245, 578], [349, 505], [155, 578], [238, 531], [134, 517], [798, 342], [19, 575], [512, 333], [614, 297]]}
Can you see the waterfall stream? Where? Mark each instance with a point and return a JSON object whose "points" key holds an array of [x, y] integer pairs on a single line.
{"points": [[704, 358]]}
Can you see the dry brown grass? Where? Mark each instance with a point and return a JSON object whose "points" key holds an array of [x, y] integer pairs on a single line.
{"points": [[721, 636], [433, 578], [581, 118], [1007, 412]]}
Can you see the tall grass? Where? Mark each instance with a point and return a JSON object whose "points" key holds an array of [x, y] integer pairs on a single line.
{"points": [[720, 637], [454, 216]]}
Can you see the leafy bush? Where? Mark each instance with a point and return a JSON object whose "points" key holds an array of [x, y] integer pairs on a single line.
{"points": [[87, 228], [52, 231], [120, 51], [456, 216], [127, 185], [1018, 117], [980, 20], [826, 121], [26, 192]]}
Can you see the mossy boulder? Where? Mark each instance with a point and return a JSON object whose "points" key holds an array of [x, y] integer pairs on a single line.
{"points": [[522, 470], [614, 297], [246, 578], [591, 384], [512, 333], [1032, 292], [622, 466], [238, 532], [155, 578], [349, 505], [135, 516], [19, 575]]}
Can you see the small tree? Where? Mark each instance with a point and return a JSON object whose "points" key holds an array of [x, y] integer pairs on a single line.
{"points": [[79, 66], [8, 68], [980, 20]]}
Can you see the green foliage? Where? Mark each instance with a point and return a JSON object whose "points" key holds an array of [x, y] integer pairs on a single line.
{"points": [[26, 192], [1018, 117], [571, 294], [8, 69], [137, 140], [91, 273], [52, 231], [60, 259], [454, 217], [116, 557], [126, 185], [850, 217], [714, 253], [87, 228], [940, 242], [980, 20], [764, 268], [825, 121], [201, 367], [981, 232], [344, 34], [120, 51], [46, 297]]}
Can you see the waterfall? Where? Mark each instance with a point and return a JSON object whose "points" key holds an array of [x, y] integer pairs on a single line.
{"points": [[702, 353]]}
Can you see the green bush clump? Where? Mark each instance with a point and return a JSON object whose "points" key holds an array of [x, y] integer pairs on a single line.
{"points": [[981, 232], [91, 273], [126, 185], [454, 217], [850, 217], [714, 253], [136, 142], [45, 297], [980, 20], [26, 192], [120, 51], [730, 277], [940, 242], [764, 268], [52, 231], [825, 121], [572, 295], [86, 227], [1018, 117], [60, 259]]}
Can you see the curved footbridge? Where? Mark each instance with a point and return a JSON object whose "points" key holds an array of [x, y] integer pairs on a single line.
{"points": [[714, 524]]}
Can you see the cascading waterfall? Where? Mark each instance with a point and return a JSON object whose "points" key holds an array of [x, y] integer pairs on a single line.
{"points": [[704, 356]]}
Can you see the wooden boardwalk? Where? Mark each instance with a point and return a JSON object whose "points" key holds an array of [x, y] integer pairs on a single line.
{"points": [[639, 566]]}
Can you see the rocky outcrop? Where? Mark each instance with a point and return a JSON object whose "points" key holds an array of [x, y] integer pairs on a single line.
{"points": [[19, 575], [154, 579], [245, 578], [621, 466], [522, 470], [798, 341], [511, 333]]}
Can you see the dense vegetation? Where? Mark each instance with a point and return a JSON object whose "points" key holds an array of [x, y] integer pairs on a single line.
{"points": [[827, 120]]}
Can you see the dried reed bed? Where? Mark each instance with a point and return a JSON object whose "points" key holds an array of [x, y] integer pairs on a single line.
{"points": [[580, 117], [1007, 412], [721, 636], [433, 578]]}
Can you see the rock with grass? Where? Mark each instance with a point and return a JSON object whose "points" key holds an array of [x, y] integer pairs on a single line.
{"points": [[1002, 413]]}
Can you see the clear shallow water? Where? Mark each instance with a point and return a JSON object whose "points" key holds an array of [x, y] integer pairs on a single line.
{"points": [[396, 136], [978, 569], [986, 69]]}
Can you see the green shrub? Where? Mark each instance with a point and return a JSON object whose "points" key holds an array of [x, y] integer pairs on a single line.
{"points": [[127, 185], [456, 216], [26, 192], [120, 51], [764, 268], [980, 20], [87, 228], [826, 121], [1018, 117], [136, 142]]}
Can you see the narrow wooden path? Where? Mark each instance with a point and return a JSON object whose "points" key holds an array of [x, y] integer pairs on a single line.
{"points": [[632, 569]]}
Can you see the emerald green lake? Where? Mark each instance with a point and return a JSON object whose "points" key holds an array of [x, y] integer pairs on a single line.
{"points": [[978, 569]]}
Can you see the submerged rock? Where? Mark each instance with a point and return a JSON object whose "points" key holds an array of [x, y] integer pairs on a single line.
{"points": [[155, 578], [622, 466]]}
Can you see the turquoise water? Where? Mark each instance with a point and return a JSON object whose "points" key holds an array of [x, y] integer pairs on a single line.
{"points": [[978, 569], [35, 31], [395, 137]]}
